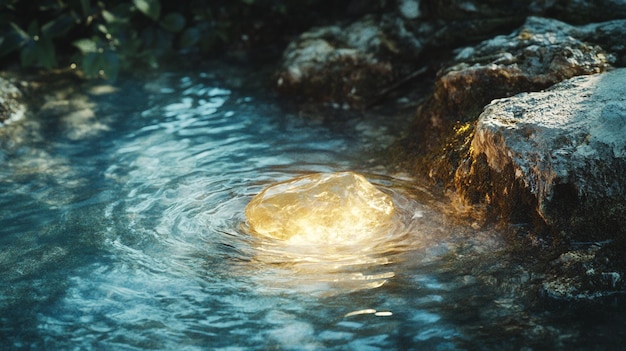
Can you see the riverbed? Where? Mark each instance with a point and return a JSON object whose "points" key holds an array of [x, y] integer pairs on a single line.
{"points": [[122, 227]]}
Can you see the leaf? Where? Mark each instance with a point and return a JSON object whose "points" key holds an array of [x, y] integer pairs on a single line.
{"points": [[11, 41], [46, 53], [33, 28], [123, 12], [58, 26], [86, 45], [163, 43], [151, 60], [111, 65], [190, 37], [86, 7], [28, 55], [39, 53], [174, 22], [19, 31], [108, 16], [150, 8], [120, 14], [8, 44], [148, 37], [91, 64], [130, 46], [102, 28]]}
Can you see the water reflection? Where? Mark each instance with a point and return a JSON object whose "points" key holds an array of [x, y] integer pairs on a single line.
{"points": [[339, 267], [186, 178], [128, 236]]}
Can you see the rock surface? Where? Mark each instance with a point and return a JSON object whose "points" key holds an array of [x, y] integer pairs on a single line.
{"points": [[351, 64], [567, 148], [323, 208], [558, 157], [579, 275], [338, 65], [539, 54], [11, 106], [550, 161], [609, 35]]}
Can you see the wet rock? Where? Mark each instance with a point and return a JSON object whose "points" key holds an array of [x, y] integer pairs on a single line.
{"points": [[559, 155], [609, 35], [577, 275], [537, 55], [577, 195], [326, 208], [351, 64], [340, 65], [11, 106]]}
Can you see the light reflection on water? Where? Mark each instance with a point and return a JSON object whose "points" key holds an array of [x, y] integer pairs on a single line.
{"points": [[133, 237]]}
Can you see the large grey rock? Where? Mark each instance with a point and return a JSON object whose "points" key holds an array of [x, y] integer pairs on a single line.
{"points": [[561, 153], [540, 53]]}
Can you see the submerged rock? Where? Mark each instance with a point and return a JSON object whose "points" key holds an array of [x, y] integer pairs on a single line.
{"points": [[323, 208], [579, 275]]}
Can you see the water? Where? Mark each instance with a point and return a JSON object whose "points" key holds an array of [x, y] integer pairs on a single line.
{"points": [[122, 227]]}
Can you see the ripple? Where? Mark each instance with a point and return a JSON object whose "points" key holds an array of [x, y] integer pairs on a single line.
{"points": [[189, 173], [326, 269], [135, 238]]}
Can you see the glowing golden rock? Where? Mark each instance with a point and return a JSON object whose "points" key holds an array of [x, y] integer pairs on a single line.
{"points": [[320, 208]]}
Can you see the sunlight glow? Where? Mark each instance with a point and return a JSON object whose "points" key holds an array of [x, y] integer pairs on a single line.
{"points": [[322, 208]]}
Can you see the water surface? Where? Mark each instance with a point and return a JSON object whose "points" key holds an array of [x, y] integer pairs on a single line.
{"points": [[122, 227]]}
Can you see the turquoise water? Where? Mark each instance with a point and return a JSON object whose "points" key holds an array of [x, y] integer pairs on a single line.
{"points": [[122, 228]]}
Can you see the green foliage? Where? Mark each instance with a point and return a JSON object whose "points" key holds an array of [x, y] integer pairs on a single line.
{"points": [[102, 38], [173, 22], [150, 8]]}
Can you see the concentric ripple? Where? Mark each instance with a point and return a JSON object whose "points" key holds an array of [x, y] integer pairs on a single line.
{"points": [[189, 173], [122, 226]]}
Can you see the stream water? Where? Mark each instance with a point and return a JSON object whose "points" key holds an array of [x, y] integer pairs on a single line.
{"points": [[122, 228]]}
